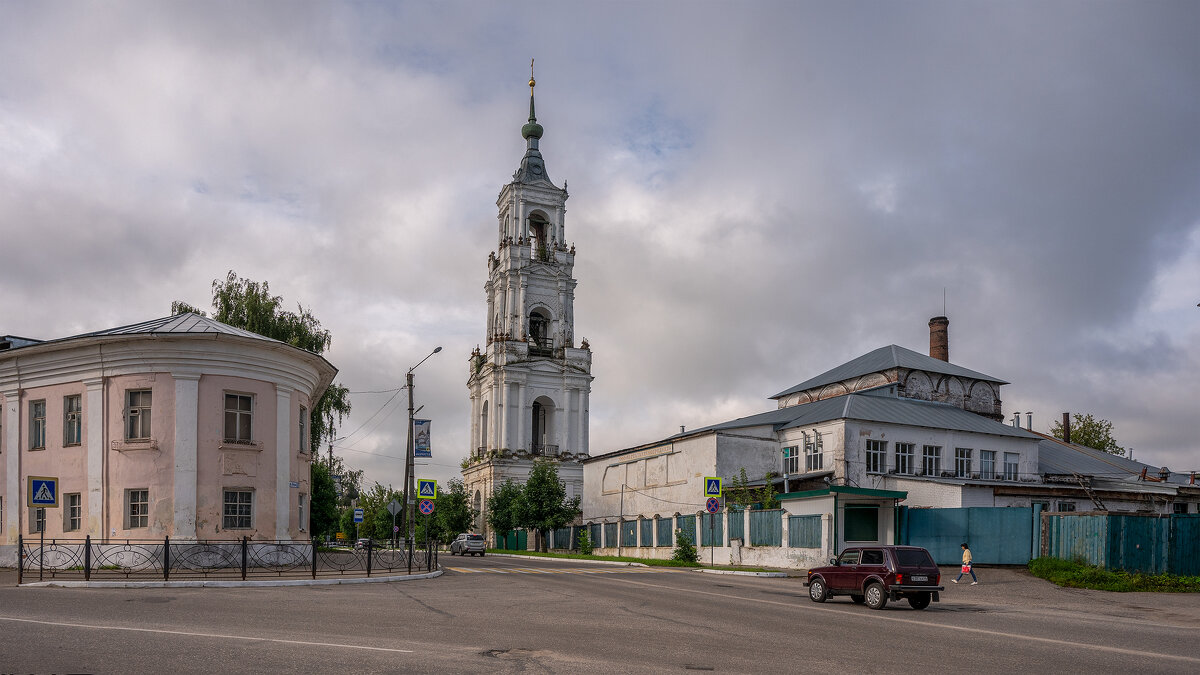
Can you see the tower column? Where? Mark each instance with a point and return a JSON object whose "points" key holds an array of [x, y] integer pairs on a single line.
{"points": [[524, 307], [521, 414], [583, 417], [12, 483]]}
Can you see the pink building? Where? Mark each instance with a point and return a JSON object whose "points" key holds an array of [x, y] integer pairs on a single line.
{"points": [[181, 426]]}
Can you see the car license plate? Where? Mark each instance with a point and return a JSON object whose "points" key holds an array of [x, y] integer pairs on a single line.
{"points": [[920, 577]]}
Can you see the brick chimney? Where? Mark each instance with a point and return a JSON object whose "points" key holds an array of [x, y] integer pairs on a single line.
{"points": [[939, 338]]}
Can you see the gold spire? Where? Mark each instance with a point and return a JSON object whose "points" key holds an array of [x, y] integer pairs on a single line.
{"points": [[532, 82]]}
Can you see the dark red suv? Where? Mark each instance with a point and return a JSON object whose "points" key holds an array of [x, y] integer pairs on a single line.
{"points": [[876, 574]]}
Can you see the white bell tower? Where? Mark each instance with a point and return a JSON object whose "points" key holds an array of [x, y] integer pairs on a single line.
{"points": [[529, 387]]}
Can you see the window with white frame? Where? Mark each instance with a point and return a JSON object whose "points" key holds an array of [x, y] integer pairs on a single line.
{"points": [[1011, 464], [931, 460], [239, 510], [876, 456], [987, 464], [905, 453], [962, 462], [812, 452], [72, 512], [302, 523], [303, 430], [72, 420], [137, 508], [137, 414], [37, 426], [238, 418], [37, 520], [791, 459], [1066, 506]]}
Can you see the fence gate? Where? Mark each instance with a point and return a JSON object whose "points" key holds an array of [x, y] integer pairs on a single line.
{"points": [[997, 535]]}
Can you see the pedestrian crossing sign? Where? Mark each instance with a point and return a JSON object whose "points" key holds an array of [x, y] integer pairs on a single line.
{"points": [[43, 492], [712, 486], [426, 488]]}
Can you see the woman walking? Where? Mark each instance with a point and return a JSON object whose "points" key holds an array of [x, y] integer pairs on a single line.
{"points": [[966, 567]]}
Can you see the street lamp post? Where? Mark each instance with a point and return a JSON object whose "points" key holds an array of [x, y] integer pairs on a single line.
{"points": [[410, 476]]}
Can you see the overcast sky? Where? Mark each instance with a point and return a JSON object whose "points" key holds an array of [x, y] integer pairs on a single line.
{"points": [[759, 192]]}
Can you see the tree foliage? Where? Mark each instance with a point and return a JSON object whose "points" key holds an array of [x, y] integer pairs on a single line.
{"points": [[546, 506], [1091, 432], [454, 514], [323, 515], [505, 507], [740, 493]]}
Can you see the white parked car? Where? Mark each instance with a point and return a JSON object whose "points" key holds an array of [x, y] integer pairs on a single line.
{"points": [[467, 543]]}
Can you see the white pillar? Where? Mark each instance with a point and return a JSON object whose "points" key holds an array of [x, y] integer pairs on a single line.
{"points": [[187, 405], [494, 416], [583, 417], [12, 447], [95, 456], [521, 417], [502, 411], [283, 461]]}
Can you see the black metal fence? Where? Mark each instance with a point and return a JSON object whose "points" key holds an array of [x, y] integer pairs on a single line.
{"points": [[145, 560]]}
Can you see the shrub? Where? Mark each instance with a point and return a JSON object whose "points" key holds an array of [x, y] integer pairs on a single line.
{"points": [[585, 542], [685, 551]]}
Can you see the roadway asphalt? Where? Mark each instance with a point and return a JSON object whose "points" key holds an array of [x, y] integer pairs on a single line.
{"points": [[501, 614]]}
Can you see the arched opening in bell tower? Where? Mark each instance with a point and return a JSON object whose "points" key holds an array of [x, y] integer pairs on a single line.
{"points": [[543, 427], [477, 504], [539, 236], [540, 342], [483, 430]]}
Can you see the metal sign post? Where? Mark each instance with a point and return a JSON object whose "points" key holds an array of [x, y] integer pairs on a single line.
{"points": [[394, 507], [712, 506]]}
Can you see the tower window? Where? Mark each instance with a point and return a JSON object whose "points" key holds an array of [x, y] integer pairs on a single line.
{"points": [[539, 231], [539, 334]]}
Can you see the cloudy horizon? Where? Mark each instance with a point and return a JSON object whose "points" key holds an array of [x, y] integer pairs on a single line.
{"points": [[759, 192]]}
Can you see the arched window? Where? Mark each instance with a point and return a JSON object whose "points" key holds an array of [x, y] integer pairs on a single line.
{"points": [[539, 334], [539, 236], [542, 427], [483, 430]]}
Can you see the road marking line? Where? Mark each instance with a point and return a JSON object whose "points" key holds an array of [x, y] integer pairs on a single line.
{"points": [[206, 635], [926, 624]]}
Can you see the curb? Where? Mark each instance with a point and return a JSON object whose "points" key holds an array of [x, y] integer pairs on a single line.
{"points": [[744, 574], [213, 583], [571, 560]]}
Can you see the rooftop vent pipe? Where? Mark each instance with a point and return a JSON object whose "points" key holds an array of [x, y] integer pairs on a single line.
{"points": [[939, 338], [1029, 420]]}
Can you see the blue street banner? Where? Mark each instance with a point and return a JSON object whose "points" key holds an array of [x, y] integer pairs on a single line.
{"points": [[421, 439]]}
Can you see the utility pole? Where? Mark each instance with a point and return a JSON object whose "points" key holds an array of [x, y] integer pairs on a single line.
{"points": [[410, 476]]}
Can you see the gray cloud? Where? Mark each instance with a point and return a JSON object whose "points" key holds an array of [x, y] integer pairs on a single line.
{"points": [[758, 192]]}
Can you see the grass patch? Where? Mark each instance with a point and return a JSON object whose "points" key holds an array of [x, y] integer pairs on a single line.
{"points": [[1077, 574], [608, 558]]}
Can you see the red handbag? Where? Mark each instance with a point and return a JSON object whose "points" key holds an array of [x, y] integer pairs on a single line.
{"points": [[966, 569]]}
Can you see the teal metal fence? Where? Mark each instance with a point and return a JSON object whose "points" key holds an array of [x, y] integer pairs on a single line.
{"points": [[647, 532], [686, 524], [766, 528], [629, 533], [804, 531], [737, 524], [997, 535], [711, 533], [610, 535], [665, 532], [594, 535], [1150, 543]]}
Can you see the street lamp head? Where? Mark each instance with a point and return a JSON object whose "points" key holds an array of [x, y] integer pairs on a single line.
{"points": [[437, 349]]}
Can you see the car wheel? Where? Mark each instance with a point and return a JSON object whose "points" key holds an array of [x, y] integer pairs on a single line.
{"points": [[857, 598], [875, 597], [481, 554], [920, 600], [817, 590]]}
